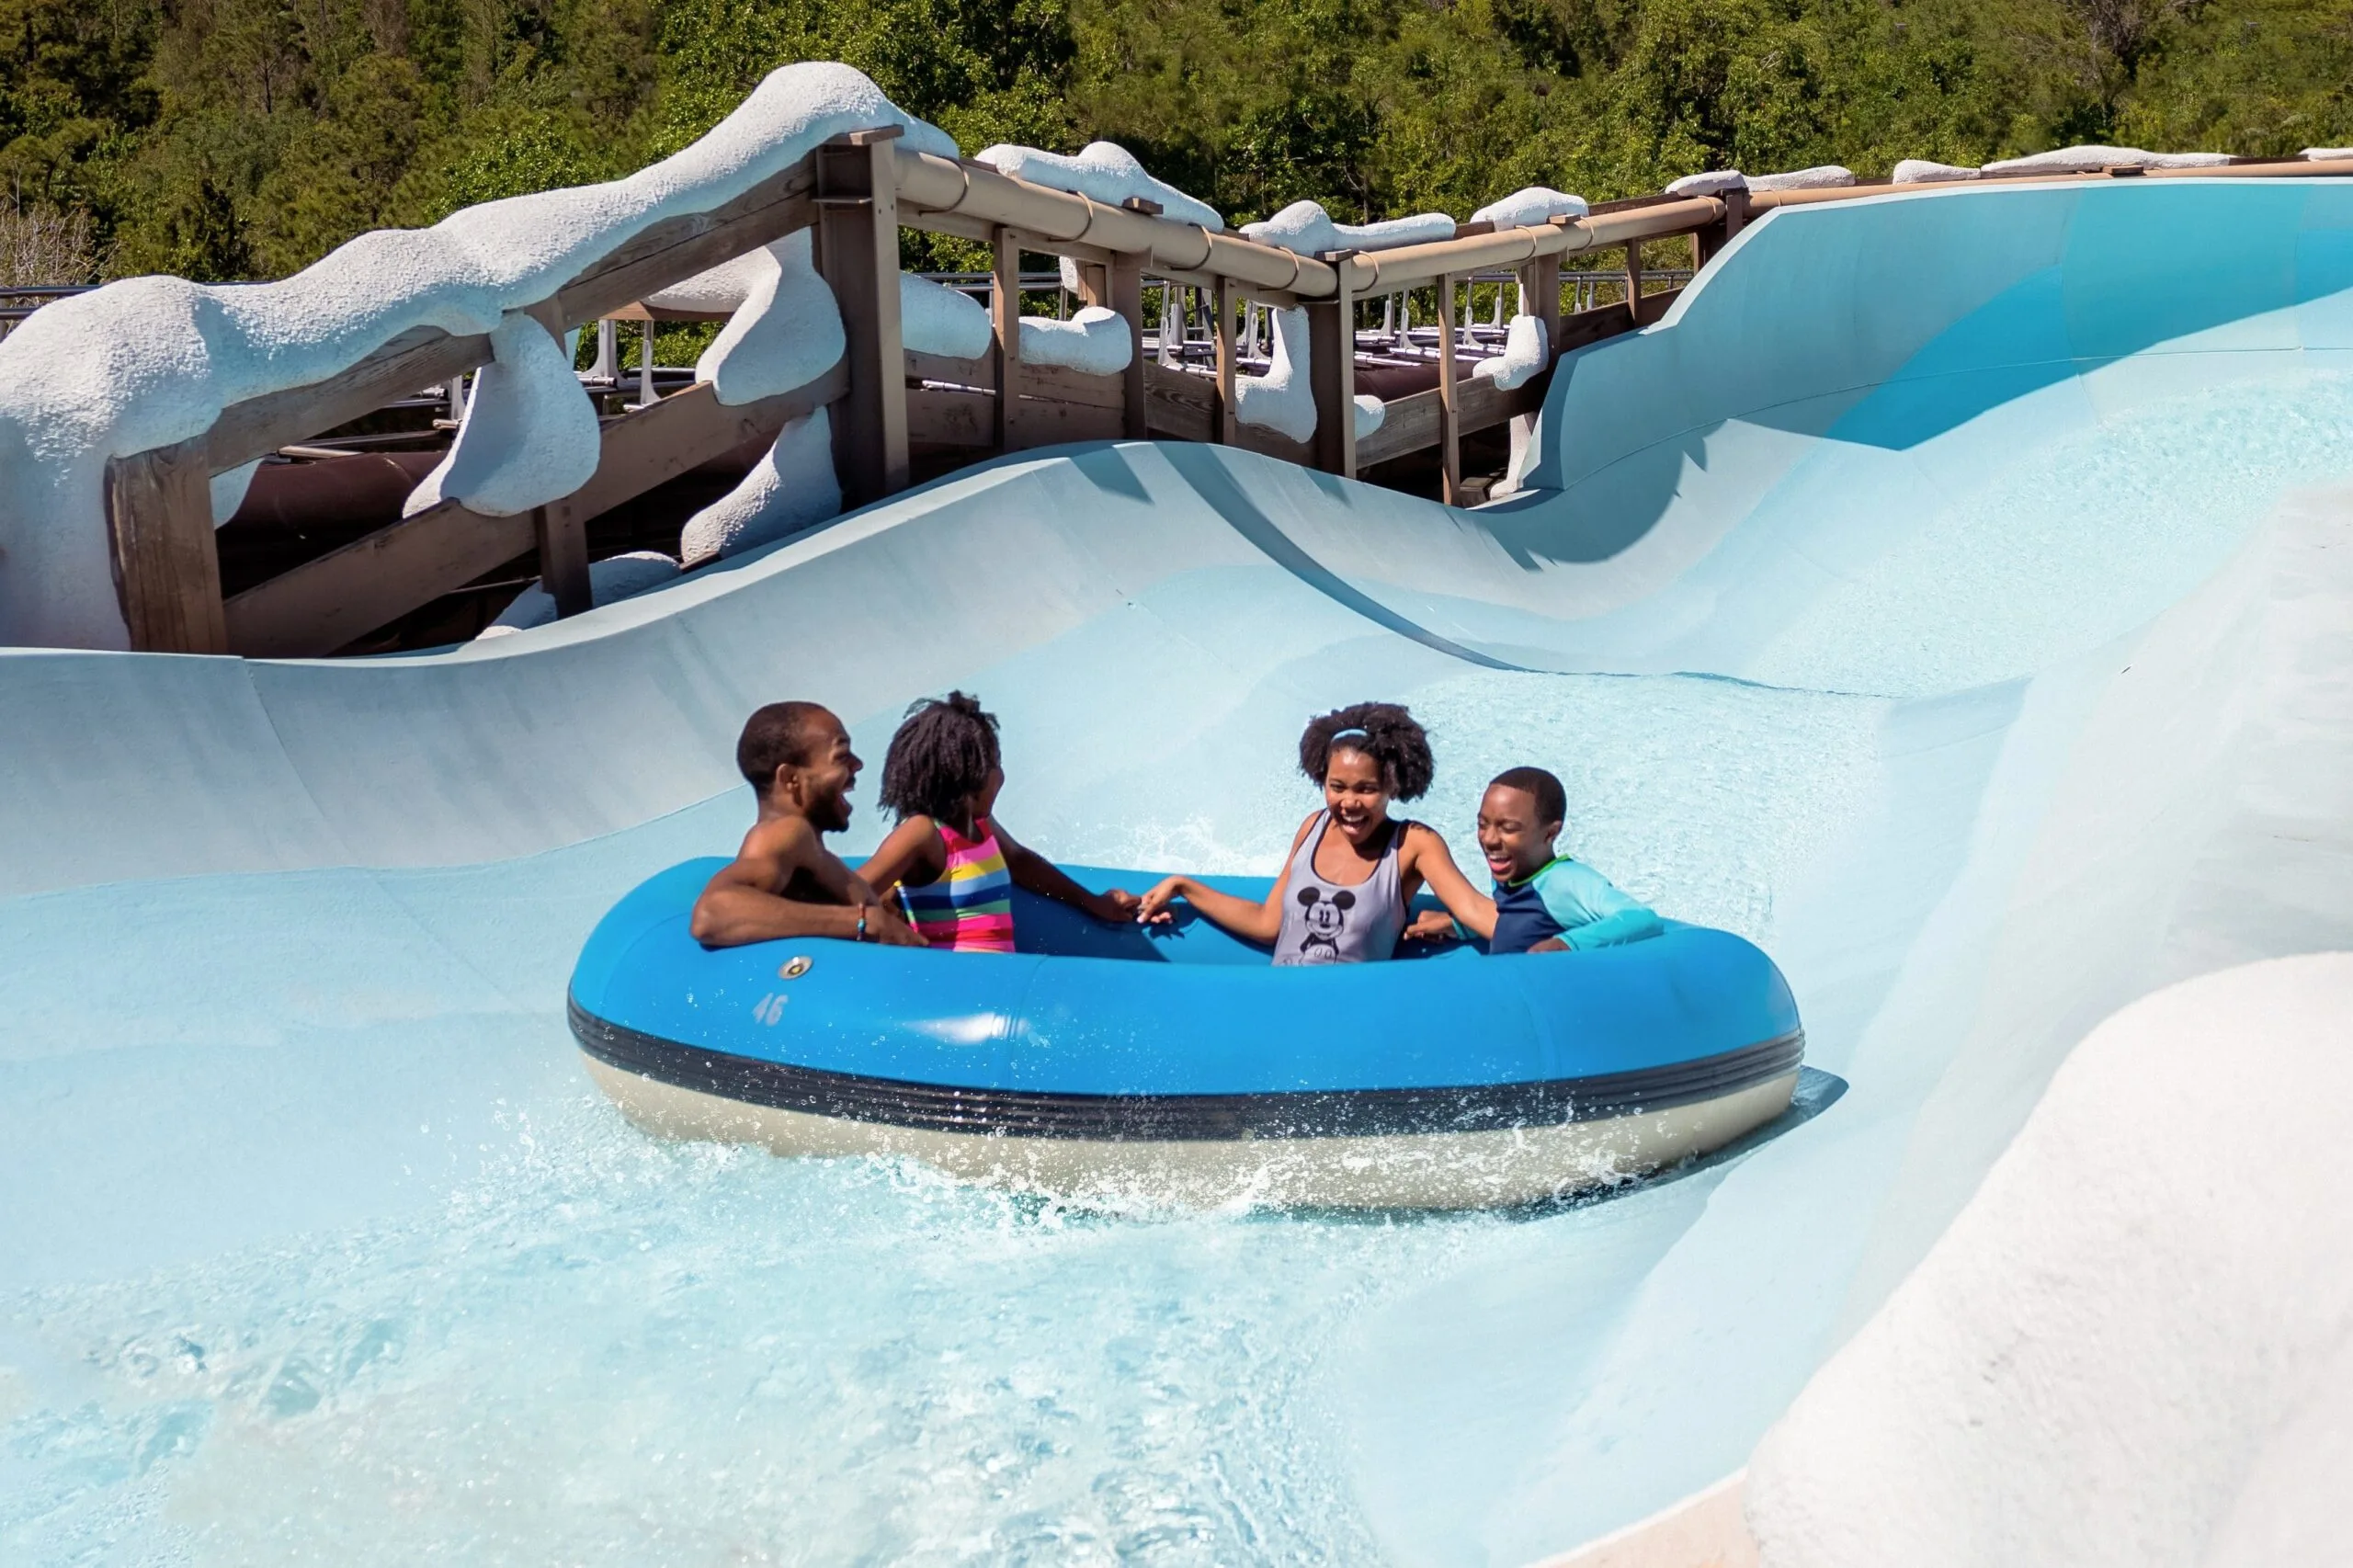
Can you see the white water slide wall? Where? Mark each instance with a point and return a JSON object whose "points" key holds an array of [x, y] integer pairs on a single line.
{"points": [[1952, 594]]}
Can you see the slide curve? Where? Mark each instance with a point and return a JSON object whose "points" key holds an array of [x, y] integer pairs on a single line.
{"points": [[1953, 595]]}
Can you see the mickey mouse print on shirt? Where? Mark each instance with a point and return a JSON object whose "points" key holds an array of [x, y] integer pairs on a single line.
{"points": [[1326, 919]]}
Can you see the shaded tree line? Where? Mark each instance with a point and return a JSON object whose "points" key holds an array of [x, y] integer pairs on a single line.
{"points": [[228, 139]]}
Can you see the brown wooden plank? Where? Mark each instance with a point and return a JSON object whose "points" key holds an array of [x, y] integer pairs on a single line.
{"points": [[1058, 383], [1584, 327], [1125, 275], [1004, 322], [1634, 280], [952, 417], [1449, 401], [666, 252], [1179, 405], [561, 536], [325, 604], [1228, 309], [166, 562], [858, 254], [1331, 363], [1412, 423]]}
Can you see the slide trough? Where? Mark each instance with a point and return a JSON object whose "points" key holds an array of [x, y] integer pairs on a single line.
{"points": [[1948, 598]]}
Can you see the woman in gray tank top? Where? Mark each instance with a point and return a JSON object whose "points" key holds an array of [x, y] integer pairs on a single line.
{"points": [[1353, 871]]}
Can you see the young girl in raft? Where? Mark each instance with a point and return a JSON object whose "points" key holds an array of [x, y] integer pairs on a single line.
{"points": [[1353, 869], [953, 865]]}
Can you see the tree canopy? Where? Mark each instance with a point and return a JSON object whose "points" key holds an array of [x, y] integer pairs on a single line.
{"points": [[227, 139]]}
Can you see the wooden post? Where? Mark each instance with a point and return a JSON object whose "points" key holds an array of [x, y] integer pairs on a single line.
{"points": [[1634, 280], [1332, 375], [858, 254], [1094, 283], [645, 398], [1004, 315], [1227, 300], [166, 564], [1127, 297], [1449, 405], [1709, 241], [1539, 282], [561, 535]]}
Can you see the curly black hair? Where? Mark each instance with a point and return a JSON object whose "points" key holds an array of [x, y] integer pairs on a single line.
{"points": [[1385, 732], [942, 756]]}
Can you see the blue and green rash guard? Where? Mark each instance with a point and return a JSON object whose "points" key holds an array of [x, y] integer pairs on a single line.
{"points": [[1571, 901]]}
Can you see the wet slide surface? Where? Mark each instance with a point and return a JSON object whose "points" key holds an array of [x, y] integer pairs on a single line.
{"points": [[1954, 595]]}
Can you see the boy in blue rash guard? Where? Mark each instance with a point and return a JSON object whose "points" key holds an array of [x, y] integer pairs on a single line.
{"points": [[1547, 903]]}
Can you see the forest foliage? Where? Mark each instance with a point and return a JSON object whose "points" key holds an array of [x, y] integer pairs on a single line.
{"points": [[228, 139]]}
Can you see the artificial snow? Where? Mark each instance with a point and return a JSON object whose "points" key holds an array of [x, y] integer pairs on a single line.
{"points": [[1280, 400], [2076, 158], [792, 486], [529, 436], [1822, 177], [1105, 171], [1531, 208], [1915, 171], [786, 334], [1095, 340], [719, 291], [1525, 352], [936, 318], [1303, 228], [2110, 1356], [2326, 155], [1715, 182], [152, 361], [610, 581]]}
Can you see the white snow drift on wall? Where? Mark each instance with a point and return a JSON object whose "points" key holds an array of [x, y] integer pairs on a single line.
{"points": [[152, 361], [1095, 340], [792, 486], [1103, 170], [1281, 400], [528, 437], [1527, 209], [2110, 1356]]}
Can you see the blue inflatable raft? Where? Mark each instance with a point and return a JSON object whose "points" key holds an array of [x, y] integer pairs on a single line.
{"points": [[1106, 1063]]}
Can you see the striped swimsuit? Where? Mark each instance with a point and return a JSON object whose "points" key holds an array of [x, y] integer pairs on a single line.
{"points": [[970, 908]]}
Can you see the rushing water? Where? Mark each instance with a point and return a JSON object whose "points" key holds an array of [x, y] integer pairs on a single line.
{"points": [[592, 1347]]}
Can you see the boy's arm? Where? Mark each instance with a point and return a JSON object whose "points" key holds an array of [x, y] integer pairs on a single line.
{"points": [[1034, 872], [1592, 912]]}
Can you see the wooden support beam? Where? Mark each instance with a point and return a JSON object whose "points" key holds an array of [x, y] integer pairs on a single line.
{"points": [[1449, 402], [1707, 241], [166, 564], [1634, 281], [858, 254], [958, 417], [561, 536], [1004, 318], [1332, 377], [1126, 281], [328, 603], [1094, 281], [1411, 424], [1539, 287], [1228, 310]]}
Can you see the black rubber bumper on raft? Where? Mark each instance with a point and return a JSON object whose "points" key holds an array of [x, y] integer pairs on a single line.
{"points": [[1315, 1113]]}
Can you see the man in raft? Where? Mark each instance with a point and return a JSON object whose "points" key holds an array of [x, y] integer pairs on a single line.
{"points": [[784, 882]]}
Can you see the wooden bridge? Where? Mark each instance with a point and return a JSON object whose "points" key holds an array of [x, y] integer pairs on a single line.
{"points": [[857, 193]]}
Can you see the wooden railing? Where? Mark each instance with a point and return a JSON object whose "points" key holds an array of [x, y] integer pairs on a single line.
{"points": [[857, 193]]}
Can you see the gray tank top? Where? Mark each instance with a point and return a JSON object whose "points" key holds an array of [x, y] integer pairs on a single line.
{"points": [[1327, 923]]}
